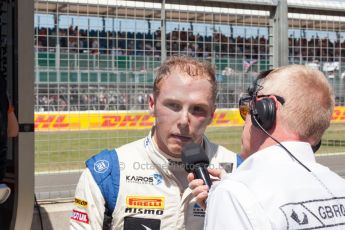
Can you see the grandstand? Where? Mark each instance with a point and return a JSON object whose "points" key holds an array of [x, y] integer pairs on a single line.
{"points": [[95, 56], [85, 45]]}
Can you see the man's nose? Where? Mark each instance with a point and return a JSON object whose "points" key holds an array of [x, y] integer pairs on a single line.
{"points": [[183, 119]]}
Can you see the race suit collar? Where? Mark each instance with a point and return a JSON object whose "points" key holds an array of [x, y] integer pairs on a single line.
{"points": [[167, 164]]}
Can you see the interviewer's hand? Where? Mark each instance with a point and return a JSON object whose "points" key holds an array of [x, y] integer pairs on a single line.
{"points": [[199, 189]]}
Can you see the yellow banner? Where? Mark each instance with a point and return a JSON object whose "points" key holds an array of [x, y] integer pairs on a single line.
{"points": [[338, 114], [109, 120]]}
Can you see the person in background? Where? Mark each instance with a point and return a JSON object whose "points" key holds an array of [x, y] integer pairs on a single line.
{"points": [[12, 122], [9, 128], [279, 185], [143, 184]]}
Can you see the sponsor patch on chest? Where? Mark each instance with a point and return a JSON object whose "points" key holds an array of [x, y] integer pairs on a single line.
{"points": [[80, 202], [154, 179], [151, 202], [134, 223], [198, 211], [145, 211], [80, 216]]}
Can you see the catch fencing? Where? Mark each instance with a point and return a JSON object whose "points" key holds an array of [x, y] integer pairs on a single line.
{"points": [[95, 62]]}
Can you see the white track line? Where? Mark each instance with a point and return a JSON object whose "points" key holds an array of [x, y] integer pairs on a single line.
{"points": [[330, 154], [59, 171]]}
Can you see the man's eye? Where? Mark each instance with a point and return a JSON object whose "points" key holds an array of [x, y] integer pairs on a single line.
{"points": [[174, 106], [199, 110]]}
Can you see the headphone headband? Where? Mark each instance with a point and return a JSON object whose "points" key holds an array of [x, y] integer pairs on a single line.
{"points": [[262, 111]]}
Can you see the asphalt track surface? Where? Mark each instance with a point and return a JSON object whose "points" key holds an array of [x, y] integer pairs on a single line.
{"points": [[61, 185]]}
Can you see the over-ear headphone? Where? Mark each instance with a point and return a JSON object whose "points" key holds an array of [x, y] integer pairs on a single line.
{"points": [[262, 111]]}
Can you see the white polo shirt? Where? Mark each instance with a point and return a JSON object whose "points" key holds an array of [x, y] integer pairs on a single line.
{"points": [[270, 190]]}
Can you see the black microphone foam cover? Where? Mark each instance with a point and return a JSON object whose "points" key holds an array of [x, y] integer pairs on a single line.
{"points": [[192, 155]]}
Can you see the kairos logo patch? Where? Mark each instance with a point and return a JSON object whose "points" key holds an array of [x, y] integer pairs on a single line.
{"points": [[154, 179], [157, 178]]}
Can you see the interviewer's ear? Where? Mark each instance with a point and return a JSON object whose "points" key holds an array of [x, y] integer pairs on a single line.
{"points": [[276, 102]]}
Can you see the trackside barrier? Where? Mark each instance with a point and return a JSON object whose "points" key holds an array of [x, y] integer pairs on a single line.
{"points": [[118, 120]]}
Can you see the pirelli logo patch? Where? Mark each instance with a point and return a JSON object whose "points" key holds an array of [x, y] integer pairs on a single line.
{"points": [[315, 214], [80, 202], [152, 202]]}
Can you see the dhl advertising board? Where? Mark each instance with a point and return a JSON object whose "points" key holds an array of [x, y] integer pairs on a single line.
{"points": [[115, 120]]}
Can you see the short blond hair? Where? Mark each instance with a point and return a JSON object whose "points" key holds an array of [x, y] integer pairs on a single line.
{"points": [[309, 99], [194, 68]]}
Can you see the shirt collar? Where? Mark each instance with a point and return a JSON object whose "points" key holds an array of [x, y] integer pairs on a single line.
{"points": [[301, 150]]}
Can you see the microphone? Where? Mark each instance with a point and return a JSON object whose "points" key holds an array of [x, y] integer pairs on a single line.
{"points": [[196, 161]]}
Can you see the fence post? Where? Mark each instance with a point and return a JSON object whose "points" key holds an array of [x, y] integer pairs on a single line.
{"points": [[163, 33], [278, 36]]}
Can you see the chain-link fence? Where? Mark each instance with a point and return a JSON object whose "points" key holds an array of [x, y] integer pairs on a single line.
{"points": [[95, 62]]}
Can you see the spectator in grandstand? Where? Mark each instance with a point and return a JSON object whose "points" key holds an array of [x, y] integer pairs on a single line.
{"points": [[280, 185], [98, 42], [141, 100], [123, 102], [143, 184], [94, 46], [103, 101]]}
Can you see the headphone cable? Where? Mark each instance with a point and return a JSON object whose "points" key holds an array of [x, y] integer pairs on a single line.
{"points": [[312, 173], [280, 144]]}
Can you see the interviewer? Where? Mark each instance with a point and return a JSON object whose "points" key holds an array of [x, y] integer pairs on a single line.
{"points": [[279, 185]]}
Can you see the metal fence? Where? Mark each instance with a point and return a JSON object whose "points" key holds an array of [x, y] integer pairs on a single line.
{"points": [[92, 57]]}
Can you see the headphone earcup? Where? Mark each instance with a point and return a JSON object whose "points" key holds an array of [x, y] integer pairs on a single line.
{"points": [[265, 113]]}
